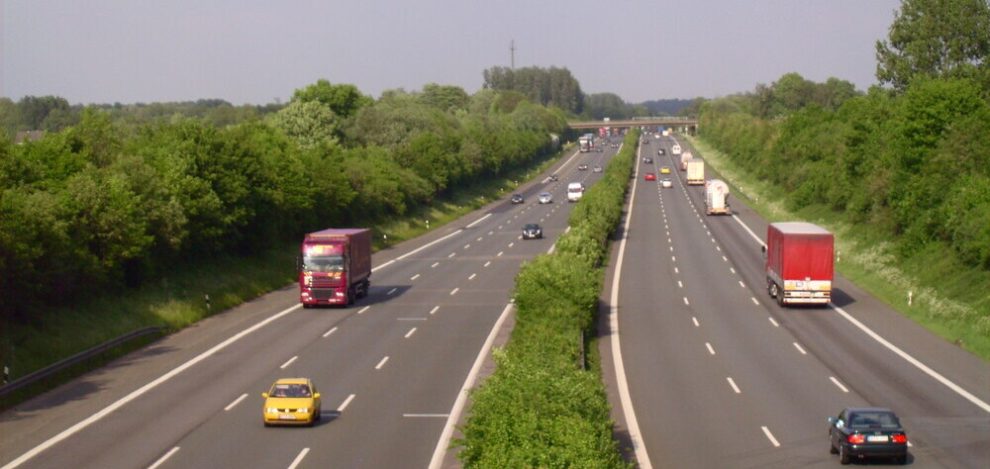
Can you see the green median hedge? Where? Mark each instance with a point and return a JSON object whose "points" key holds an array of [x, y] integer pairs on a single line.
{"points": [[541, 407]]}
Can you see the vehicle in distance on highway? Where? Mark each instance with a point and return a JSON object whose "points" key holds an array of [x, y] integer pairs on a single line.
{"points": [[665, 170], [647, 160], [666, 183], [862, 432], [545, 198], [661, 152], [291, 401], [532, 231], [597, 169], [554, 177], [582, 167], [517, 199], [650, 177]]}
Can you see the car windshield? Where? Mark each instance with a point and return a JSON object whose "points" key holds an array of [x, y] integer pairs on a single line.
{"points": [[323, 263], [531, 226], [291, 390], [873, 420]]}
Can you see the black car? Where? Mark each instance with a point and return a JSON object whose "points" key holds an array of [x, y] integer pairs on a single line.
{"points": [[647, 160], [862, 432], [661, 152], [517, 199], [554, 177], [582, 167], [532, 231]]}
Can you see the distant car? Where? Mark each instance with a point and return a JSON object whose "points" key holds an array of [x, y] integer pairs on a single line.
{"points": [[291, 401], [532, 231], [661, 152], [582, 167], [664, 170], [647, 160], [650, 177], [554, 177], [517, 199], [597, 169], [666, 183], [861, 432], [646, 141], [545, 198]]}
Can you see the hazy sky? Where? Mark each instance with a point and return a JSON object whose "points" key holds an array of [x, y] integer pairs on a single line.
{"points": [[256, 51]]}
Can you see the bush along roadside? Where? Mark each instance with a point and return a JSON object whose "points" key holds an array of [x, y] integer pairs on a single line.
{"points": [[542, 407]]}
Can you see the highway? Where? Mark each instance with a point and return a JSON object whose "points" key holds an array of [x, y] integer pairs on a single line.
{"points": [[719, 376], [389, 369]]}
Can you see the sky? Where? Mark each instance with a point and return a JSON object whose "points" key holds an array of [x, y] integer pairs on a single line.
{"points": [[260, 51]]}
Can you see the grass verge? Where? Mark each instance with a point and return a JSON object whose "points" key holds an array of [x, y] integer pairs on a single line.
{"points": [[948, 297]]}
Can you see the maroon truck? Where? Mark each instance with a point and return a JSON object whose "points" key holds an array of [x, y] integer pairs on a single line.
{"points": [[800, 263], [335, 266]]}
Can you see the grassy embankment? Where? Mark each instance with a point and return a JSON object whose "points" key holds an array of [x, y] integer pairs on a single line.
{"points": [[948, 298], [177, 300]]}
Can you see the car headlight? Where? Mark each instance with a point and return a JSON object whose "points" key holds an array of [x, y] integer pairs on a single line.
{"points": [[271, 410], [303, 410]]}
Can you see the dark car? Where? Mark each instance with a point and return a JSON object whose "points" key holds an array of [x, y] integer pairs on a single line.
{"points": [[554, 177], [517, 199], [532, 231], [661, 152], [866, 432], [582, 167], [647, 160]]}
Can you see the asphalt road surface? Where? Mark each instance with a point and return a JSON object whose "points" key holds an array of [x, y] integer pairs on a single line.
{"points": [[719, 376], [389, 369]]}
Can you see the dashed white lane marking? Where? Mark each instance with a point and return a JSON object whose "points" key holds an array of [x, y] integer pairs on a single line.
{"points": [[680, 284], [676, 270], [347, 402], [718, 249], [711, 350], [673, 258], [726, 259], [165, 457], [392, 291], [755, 301], [414, 277], [428, 416], [500, 227], [669, 241], [236, 401], [382, 363], [472, 276], [362, 310], [467, 246], [732, 269], [434, 310], [488, 263], [774, 322], [479, 239], [299, 458], [733, 384], [451, 255], [434, 265], [741, 284], [490, 233], [695, 320], [454, 291], [766, 431], [799, 349], [512, 244], [410, 333], [331, 331], [288, 362], [686, 301], [499, 254], [671, 249], [838, 384]]}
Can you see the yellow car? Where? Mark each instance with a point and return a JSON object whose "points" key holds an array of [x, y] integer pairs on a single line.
{"points": [[664, 170], [291, 401]]}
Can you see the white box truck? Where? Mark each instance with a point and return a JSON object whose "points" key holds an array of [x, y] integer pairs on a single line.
{"points": [[574, 191], [717, 198], [695, 172]]}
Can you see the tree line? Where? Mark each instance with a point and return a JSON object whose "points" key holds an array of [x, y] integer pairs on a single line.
{"points": [[108, 203]]}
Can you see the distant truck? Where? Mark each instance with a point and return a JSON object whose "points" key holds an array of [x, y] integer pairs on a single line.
{"points": [[695, 172], [799, 263], [685, 157], [676, 149], [717, 198], [586, 142], [335, 266], [574, 191]]}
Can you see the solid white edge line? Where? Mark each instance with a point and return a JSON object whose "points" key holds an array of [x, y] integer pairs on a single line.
{"points": [[766, 431], [733, 384], [838, 384], [382, 363], [440, 451], [890, 346], [331, 331], [164, 457], [143, 389], [411, 332], [921, 366], [288, 362], [426, 415], [362, 310], [471, 225], [235, 402], [347, 402], [635, 436], [299, 458]]}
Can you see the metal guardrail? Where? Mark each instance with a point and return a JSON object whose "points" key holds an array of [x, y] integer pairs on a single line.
{"points": [[76, 359]]}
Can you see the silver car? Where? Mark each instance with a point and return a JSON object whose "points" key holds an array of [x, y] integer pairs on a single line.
{"points": [[545, 198]]}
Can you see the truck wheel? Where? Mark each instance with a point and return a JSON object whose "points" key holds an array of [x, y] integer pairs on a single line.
{"points": [[772, 289]]}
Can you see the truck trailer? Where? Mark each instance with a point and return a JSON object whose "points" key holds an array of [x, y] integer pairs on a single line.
{"points": [[334, 266], [717, 198], [695, 172], [800, 263], [685, 157]]}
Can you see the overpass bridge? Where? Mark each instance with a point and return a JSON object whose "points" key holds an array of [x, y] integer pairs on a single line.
{"points": [[678, 124]]}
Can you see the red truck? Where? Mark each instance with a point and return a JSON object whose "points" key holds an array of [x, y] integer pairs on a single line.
{"points": [[800, 263], [335, 266]]}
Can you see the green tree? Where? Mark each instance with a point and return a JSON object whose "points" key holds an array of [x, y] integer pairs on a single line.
{"points": [[344, 100], [936, 38], [309, 123], [445, 97]]}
